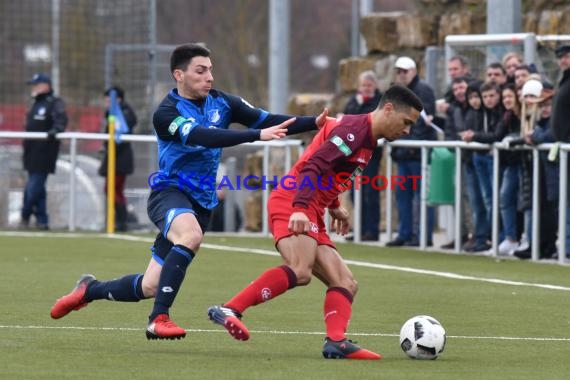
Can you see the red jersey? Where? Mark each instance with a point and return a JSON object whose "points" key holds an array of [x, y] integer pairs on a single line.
{"points": [[339, 151]]}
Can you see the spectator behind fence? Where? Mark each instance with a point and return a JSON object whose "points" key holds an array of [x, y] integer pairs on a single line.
{"points": [[481, 227], [507, 127], [495, 72], [536, 115], [364, 101], [510, 166], [561, 115], [455, 123], [124, 164], [522, 73], [549, 177], [510, 62], [485, 133], [457, 66], [408, 160], [47, 114]]}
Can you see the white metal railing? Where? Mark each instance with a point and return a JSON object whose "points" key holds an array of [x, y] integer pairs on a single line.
{"points": [[422, 145], [495, 148]]}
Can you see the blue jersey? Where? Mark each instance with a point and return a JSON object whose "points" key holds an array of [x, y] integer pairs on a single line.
{"points": [[192, 167]]}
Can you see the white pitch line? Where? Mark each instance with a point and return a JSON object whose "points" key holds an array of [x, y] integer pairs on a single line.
{"points": [[278, 332], [219, 247]]}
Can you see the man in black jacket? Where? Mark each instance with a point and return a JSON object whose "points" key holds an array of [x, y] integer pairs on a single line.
{"points": [[561, 113], [47, 114], [409, 159], [365, 100]]}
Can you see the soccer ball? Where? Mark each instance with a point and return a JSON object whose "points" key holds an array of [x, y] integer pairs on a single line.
{"points": [[422, 337]]}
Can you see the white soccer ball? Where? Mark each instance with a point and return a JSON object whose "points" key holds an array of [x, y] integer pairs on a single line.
{"points": [[422, 337]]}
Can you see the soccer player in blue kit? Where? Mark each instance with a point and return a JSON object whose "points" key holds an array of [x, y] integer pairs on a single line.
{"points": [[191, 125]]}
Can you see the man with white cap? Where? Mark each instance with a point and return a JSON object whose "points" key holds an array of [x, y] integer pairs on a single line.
{"points": [[561, 114], [409, 159]]}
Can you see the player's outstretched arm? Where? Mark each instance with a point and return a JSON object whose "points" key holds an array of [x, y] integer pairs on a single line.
{"points": [[276, 132]]}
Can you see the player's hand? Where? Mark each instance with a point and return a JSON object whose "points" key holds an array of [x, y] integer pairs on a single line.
{"points": [[323, 118], [339, 220], [276, 132], [299, 223]]}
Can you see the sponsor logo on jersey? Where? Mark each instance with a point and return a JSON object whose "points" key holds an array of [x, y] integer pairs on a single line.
{"points": [[176, 123], [339, 142], [172, 128], [186, 129]]}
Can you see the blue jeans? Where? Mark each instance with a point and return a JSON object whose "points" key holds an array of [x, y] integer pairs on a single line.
{"points": [[408, 213], [481, 227], [370, 213], [508, 200], [35, 198], [483, 164]]}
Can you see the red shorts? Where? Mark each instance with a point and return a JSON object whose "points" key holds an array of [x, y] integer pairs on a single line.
{"points": [[279, 209]]}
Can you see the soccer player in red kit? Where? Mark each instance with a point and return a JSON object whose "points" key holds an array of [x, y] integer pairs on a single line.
{"points": [[296, 217]]}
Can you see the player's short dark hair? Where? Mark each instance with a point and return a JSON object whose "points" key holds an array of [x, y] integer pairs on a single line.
{"points": [[183, 54], [120, 92], [401, 96]]}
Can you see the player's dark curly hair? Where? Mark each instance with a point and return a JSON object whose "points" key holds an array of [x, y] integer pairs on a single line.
{"points": [[401, 96], [183, 54]]}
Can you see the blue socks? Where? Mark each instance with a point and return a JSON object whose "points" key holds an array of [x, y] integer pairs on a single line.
{"points": [[171, 277], [124, 289]]}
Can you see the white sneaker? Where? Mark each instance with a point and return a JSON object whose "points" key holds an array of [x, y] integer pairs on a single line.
{"points": [[523, 246], [508, 247]]}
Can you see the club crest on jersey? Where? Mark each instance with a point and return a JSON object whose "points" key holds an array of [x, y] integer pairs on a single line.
{"points": [[214, 115], [350, 137], [314, 227], [339, 142]]}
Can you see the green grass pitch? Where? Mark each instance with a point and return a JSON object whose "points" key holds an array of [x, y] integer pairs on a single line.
{"points": [[500, 323]]}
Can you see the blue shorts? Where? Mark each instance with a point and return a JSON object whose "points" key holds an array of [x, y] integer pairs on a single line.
{"points": [[162, 207]]}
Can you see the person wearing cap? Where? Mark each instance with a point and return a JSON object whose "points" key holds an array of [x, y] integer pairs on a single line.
{"points": [[124, 164], [561, 114], [47, 114], [409, 159]]}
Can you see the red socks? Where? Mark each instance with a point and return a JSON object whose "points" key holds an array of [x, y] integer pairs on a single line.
{"points": [[270, 284], [338, 308]]}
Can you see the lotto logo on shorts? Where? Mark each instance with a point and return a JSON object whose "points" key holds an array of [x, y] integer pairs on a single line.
{"points": [[265, 294]]}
